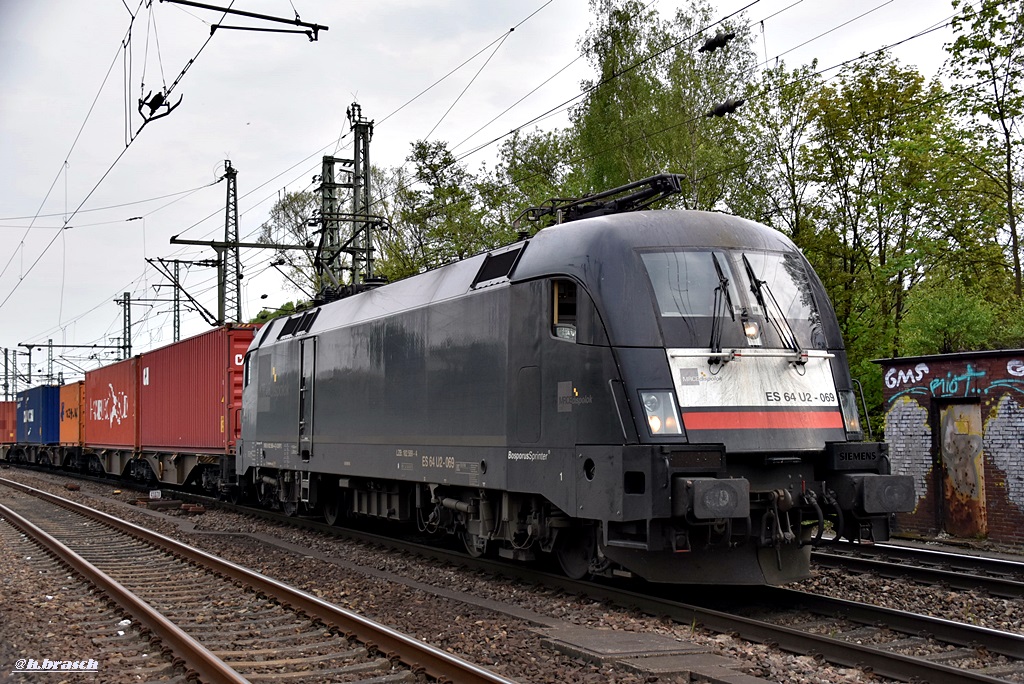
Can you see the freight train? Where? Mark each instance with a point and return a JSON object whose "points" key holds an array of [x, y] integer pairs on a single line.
{"points": [[169, 416], [663, 394]]}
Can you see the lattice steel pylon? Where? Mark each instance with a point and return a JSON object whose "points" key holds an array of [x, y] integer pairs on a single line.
{"points": [[358, 243], [330, 275], [230, 281], [362, 252]]}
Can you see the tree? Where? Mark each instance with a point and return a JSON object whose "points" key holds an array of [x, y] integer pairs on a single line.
{"points": [[285, 310], [646, 110], [987, 57], [401, 249], [935, 327], [776, 127], [289, 225], [876, 168], [440, 208], [532, 168]]}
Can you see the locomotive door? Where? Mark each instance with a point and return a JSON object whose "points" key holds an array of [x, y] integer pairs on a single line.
{"points": [[307, 373], [963, 471]]}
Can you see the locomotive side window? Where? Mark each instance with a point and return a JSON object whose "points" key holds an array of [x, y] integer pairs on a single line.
{"points": [[563, 324], [246, 370]]}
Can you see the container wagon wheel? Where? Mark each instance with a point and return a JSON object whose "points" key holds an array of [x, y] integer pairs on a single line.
{"points": [[574, 549]]}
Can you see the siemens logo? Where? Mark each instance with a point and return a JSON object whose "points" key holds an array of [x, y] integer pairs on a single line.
{"points": [[857, 456]]}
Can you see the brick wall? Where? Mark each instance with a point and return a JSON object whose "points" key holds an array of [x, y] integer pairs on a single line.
{"points": [[1004, 470], [909, 434], [915, 390]]}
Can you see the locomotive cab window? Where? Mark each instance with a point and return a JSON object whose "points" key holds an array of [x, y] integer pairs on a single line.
{"points": [[731, 298], [563, 324]]}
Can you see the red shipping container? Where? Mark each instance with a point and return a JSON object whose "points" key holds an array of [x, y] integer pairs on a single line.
{"points": [[190, 392], [72, 415], [110, 405], [8, 422]]}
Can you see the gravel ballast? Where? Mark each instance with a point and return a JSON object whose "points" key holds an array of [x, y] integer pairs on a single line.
{"points": [[495, 623]]}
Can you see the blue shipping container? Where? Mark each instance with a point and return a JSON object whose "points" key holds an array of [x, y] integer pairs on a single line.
{"points": [[39, 415]]}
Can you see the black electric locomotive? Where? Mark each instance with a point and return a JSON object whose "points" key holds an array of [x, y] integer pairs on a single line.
{"points": [[662, 393]]}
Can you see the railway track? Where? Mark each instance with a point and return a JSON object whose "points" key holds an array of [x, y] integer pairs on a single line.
{"points": [[995, 576], [222, 622], [889, 643], [895, 643], [95, 628]]}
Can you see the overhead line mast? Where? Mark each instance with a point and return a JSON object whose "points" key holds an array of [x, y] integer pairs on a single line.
{"points": [[330, 268], [231, 281]]}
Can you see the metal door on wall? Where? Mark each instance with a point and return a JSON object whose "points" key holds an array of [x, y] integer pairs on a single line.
{"points": [[963, 471], [307, 368]]}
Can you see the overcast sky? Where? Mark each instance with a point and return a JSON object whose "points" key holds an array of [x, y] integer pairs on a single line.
{"points": [[274, 104]]}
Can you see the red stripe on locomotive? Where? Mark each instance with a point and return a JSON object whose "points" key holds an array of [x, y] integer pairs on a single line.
{"points": [[763, 420]]}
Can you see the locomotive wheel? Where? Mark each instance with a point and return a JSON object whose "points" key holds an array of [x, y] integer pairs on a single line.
{"points": [[574, 550], [290, 508], [332, 510], [470, 542]]}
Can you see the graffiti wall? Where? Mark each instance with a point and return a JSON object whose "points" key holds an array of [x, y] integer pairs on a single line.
{"points": [[955, 423]]}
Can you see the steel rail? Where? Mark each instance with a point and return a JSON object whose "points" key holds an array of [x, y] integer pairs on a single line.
{"points": [[1005, 643], [660, 602], [933, 557], [997, 586], [435, 663], [837, 651], [196, 657]]}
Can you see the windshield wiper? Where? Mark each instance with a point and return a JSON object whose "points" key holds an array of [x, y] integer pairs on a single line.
{"points": [[721, 298], [781, 325]]}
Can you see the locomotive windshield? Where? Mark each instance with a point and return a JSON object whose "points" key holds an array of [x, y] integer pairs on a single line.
{"points": [[734, 298]]}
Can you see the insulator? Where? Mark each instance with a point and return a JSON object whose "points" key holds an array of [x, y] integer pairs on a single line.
{"points": [[727, 107], [717, 41]]}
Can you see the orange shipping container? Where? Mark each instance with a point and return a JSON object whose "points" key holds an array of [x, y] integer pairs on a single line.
{"points": [[8, 422], [72, 417], [110, 405]]}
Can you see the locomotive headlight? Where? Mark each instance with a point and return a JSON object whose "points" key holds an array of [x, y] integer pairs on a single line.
{"points": [[661, 412], [651, 403], [751, 329], [848, 402]]}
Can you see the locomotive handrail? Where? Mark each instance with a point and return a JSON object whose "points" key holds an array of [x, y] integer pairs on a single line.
{"points": [[787, 353]]}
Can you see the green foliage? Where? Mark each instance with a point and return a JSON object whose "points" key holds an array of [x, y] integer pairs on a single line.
{"points": [[987, 58], [776, 127], [878, 172], [400, 247], [442, 205], [287, 309], [532, 168], [646, 111], [946, 317]]}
